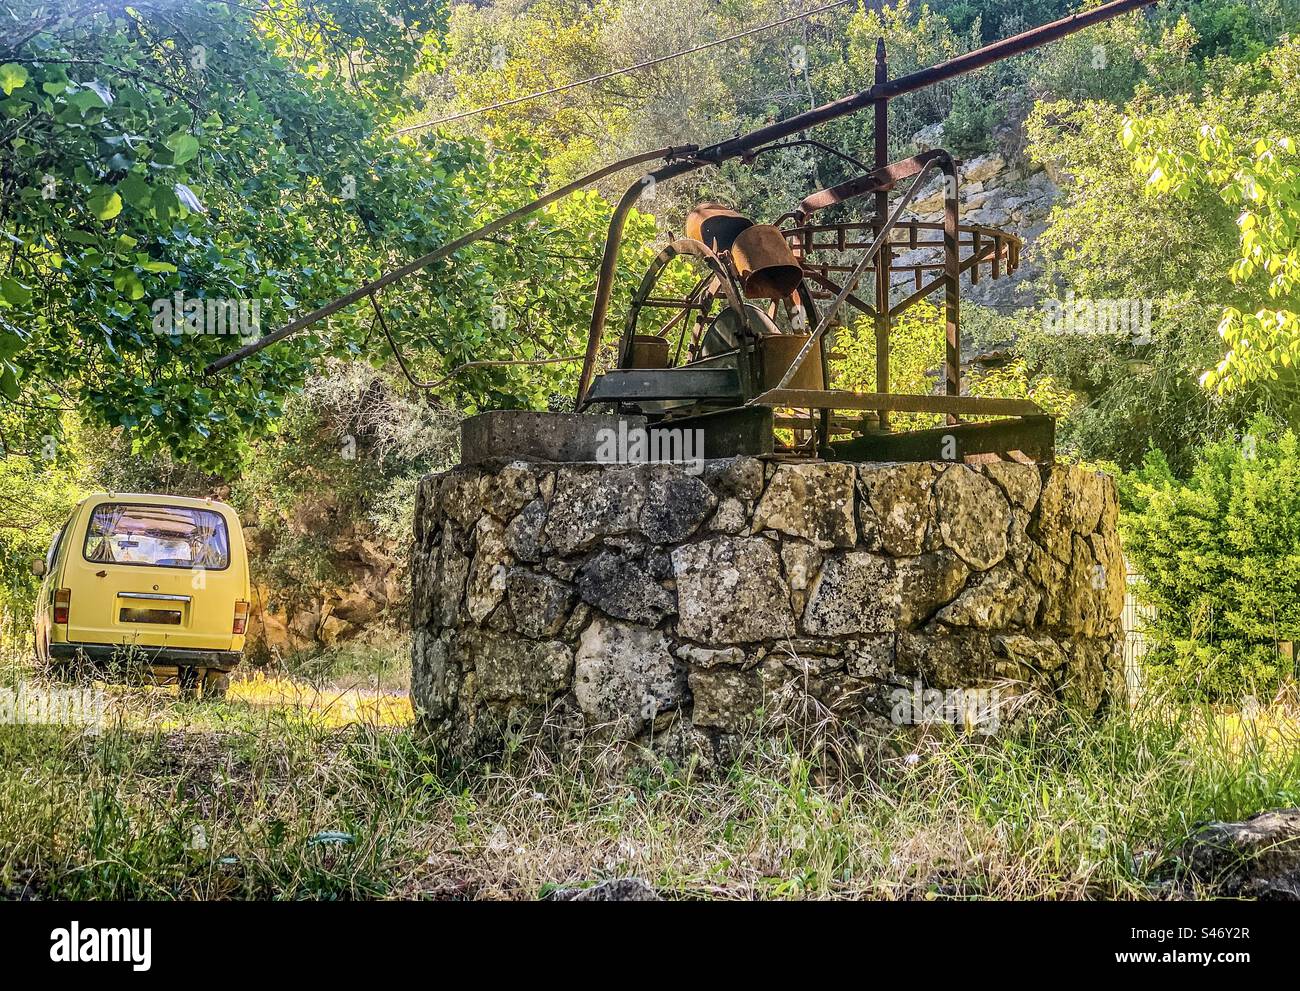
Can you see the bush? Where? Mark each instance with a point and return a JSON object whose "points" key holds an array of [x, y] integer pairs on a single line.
{"points": [[1220, 558]]}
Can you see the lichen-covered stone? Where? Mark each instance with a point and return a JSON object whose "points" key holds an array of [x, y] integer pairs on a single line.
{"points": [[539, 603], [725, 699], [899, 498], [811, 501], [511, 668], [676, 505], [957, 660], [591, 502], [730, 590], [448, 589], [871, 656], [523, 534], [855, 592], [925, 583], [711, 657], [625, 676], [740, 478], [802, 562], [461, 496], [998, 599], [1021, 484], [615, 585], [973, 516], [434, 682], [507, 491], [487, 573], [1043, 654], [730, 517]]}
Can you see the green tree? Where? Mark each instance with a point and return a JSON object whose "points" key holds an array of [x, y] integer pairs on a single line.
{"points": [[231, 152], [1242, 147]]}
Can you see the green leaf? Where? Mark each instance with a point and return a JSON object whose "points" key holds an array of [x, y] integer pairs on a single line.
{"points": [[105, 206], [12, 77], [135, 191], [183, 147], [14, 292]]}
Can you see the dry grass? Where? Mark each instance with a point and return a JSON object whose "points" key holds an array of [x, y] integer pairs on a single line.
{"points": [[293, 791]]}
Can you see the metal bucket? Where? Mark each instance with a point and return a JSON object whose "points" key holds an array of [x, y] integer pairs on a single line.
{"points": [[648, 351], [777, 354], [767, 267]]}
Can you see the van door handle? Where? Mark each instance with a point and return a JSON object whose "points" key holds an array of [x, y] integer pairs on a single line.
{"points": [[153, 595]]}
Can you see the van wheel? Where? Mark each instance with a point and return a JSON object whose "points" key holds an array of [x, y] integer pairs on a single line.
{"points": [[215, 686], [187, 684]]}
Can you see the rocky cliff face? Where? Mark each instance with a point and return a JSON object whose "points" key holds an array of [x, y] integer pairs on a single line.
{"points": [[643, 603], [994, 192], [367, 593]]}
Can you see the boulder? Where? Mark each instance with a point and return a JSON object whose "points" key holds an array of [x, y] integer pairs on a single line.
{"points": [[1257, 858]]}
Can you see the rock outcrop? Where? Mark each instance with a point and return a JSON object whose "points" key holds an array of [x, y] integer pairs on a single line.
{"points": [[1013, 196], [642, 603]]}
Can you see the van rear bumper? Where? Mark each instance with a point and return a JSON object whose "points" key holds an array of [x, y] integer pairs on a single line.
{"points": [[220, 660]]}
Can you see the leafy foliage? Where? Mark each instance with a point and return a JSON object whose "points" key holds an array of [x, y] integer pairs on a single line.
{"points": [[1245, 150], [1220, 558], [222, 152]]}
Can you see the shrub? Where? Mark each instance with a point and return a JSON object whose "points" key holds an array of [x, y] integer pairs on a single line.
{"points": [[1220, 558]]}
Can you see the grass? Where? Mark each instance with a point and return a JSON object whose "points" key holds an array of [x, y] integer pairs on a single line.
{"points": [[292, 790]]}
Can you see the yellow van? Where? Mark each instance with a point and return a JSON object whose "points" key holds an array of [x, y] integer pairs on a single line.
{"points": [[164, 575]]}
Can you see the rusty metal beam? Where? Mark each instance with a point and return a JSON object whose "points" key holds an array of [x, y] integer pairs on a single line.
{"points": [[738, 147], [896, 402]]}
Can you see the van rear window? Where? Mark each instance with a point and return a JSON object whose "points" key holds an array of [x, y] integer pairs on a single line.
{"points": [[162, 536]]}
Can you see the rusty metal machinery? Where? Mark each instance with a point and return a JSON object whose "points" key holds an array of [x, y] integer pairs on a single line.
{"points": [[748, 340], [745, 347]]}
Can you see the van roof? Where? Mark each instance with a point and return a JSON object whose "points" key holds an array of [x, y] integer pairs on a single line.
{"points": [[155, 499]]}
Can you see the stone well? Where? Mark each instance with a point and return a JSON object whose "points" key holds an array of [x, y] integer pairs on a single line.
{"points": [[617, 602]]}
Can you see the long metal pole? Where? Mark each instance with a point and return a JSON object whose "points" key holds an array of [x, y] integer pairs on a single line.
{"points": [[883, 259], [449, 248], [737, 147]]}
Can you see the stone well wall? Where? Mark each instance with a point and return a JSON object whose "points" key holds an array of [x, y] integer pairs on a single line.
{"points": [[646, 603]]}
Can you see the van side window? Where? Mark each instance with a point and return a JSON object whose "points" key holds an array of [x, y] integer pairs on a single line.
{"points": [[52, 554]]}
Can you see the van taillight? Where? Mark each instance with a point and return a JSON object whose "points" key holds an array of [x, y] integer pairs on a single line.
{"points": [[241, 617], [62, 600]]}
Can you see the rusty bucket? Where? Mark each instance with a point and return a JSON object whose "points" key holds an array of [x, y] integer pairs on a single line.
{"points": [[767, 267], [715, 225], [777, 354], [648, 351]]}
